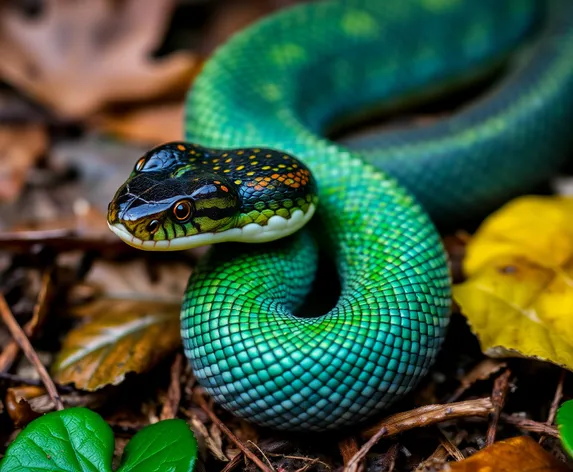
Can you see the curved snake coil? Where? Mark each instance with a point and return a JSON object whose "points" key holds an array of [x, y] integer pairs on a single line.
{"points": [[281, 84]]}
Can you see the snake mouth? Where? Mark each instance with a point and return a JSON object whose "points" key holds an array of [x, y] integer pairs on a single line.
{"points": [[277, 227]]}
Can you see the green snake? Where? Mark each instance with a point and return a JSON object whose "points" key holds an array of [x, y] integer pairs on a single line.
{"points": [[260, 114]]}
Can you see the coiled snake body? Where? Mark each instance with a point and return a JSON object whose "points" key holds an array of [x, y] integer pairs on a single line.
{"points": [[280, 85]]}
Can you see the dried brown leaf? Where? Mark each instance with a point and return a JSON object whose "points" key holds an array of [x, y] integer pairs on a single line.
{"points": [[151, 125], [75, 57], [18, 403], [129, 337], [131, 325], [515, 454], [26, 402], [213, 443], [20, 148]]}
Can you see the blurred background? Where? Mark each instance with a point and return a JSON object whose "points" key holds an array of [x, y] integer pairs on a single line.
{"points": [[85, 87]]}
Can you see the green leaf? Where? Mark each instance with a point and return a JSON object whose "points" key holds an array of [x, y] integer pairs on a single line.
{"points": [[74, 440], [565, 425], [79, 440], [167, 446]]}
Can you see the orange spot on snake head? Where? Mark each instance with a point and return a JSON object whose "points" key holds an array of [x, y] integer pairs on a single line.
{"points": [[275, 176], [224, 189]]}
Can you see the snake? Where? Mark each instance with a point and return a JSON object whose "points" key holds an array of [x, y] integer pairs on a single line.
{"points": [[263, 179]]}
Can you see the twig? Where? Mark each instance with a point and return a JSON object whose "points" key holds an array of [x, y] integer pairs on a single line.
{"points": [[233, 462], [67, 239], [34, 382], [530, 425], [171, 404], [389, 458], [11, 350], [263, 454], [20, 337], [451, 448], [430, 414], [310, 460], [447, 448], [438, 458], [500, 389], [481, 371], [555, 403], [419, 417], [246, 451]]}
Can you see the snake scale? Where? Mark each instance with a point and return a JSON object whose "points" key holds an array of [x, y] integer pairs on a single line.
{"points": [[259, 115]]}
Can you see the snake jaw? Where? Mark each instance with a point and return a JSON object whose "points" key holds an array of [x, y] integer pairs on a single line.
{"points": [[276, 227]]}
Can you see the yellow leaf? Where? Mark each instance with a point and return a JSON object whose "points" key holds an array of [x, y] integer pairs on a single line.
{"points": [[518, 297], [515, 454], [539, 228]]}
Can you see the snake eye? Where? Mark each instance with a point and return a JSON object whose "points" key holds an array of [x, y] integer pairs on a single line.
{"points": [[153, 226], [182, 210], [139, 165]]}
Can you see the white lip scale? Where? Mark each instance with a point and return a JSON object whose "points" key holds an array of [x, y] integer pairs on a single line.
{"points": [[276, 227]]}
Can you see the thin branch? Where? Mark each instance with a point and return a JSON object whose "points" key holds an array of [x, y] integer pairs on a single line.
{"points": [[20, 337], [233, 462], [234, 439], [530, 425], [555, 403], [500, 389], [481, 371], [430, 414], [556, 398], [34, 382], [66, 239], [424, 416], [171, 405], [311, 460], [263, 454], [451, 449], [12, 349]]}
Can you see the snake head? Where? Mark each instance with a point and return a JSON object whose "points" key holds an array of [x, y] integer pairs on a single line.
{"points": [[182, 195], [156, 210]]}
